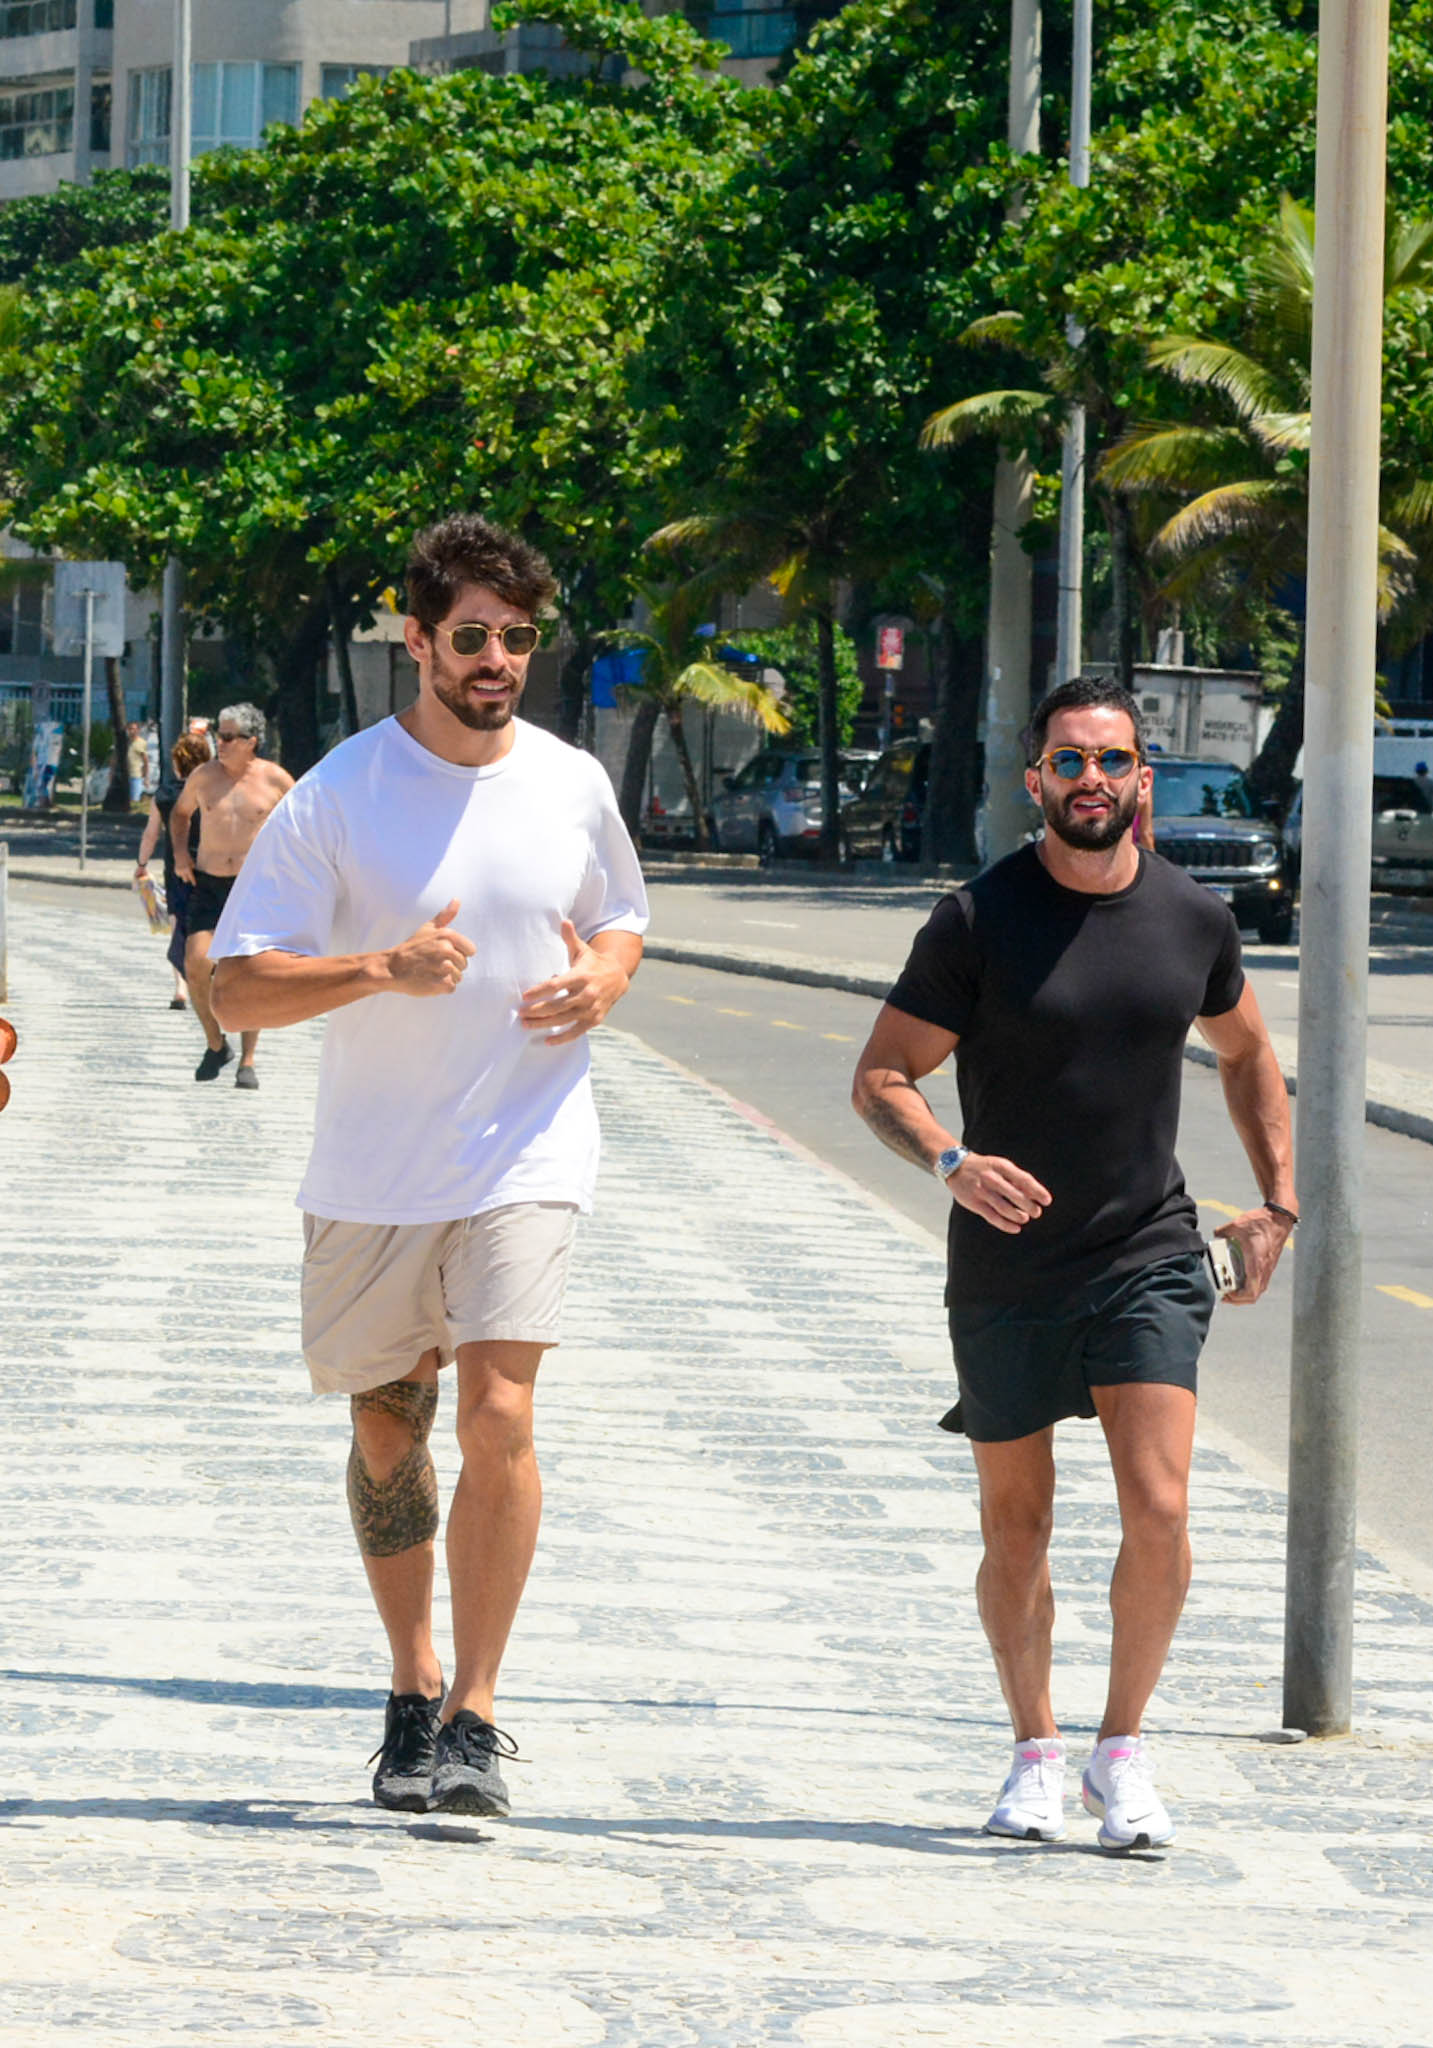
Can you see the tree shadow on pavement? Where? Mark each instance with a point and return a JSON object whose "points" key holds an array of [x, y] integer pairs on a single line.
{"points": [[210, 1692]]}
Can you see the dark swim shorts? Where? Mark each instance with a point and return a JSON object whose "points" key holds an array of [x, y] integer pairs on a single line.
{"points": [[1024, 1367], [211, 893]]}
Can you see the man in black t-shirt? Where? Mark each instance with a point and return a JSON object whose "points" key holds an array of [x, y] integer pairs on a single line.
{"points": [[1065, 979]]}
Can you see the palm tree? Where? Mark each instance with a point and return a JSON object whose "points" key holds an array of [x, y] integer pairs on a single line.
{"points": [[1239, 476], [679, 669], [805, 558]]}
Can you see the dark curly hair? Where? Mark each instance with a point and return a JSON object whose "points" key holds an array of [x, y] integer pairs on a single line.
{"points": [[1085, 693], [466, 548]]}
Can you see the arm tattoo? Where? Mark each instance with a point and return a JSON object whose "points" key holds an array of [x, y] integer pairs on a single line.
{"points": [[891, 1128], [401, 1509]]}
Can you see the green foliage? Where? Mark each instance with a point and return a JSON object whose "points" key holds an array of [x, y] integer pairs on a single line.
{"points": [[41, 235], [793, 650]]}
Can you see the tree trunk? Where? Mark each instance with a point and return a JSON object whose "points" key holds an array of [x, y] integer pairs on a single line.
{"points": [[830, 764], [1122, 591], [689, 774], [338, 616], [953, 784], [639, 760], [116, 797], [1272, 776], [296, 671]]}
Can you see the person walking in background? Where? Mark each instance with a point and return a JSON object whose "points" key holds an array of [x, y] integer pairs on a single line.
{"points": [[136, 761], [456, 890], [231, 796], [1065, 980], [190, 751]]}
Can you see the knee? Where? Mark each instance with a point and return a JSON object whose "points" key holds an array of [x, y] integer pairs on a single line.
{"points": [[1017, 1534], [1155, 1514], [496, 1421], [390, 1422]]}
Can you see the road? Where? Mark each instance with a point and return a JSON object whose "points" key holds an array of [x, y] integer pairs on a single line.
{"points": [[787, 1052]]}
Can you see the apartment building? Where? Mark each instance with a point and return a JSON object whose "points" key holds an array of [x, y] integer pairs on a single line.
{"points": [[254, 63], [758, 34]]}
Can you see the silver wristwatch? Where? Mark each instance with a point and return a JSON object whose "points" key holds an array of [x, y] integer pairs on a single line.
{"points": [[950, 1161]]}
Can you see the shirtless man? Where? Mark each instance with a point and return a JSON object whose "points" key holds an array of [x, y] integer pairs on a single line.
{"points": [[233, 796]]}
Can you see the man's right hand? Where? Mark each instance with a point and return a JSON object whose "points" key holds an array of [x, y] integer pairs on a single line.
{"points": [[1001, 1193], [185, 871], [433, 961]]}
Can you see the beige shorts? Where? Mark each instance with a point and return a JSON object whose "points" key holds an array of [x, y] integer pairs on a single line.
{"points": [[376, 1296]]}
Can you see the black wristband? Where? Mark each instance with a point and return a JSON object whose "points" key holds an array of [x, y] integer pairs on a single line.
{"points": [[1278, 1209]]}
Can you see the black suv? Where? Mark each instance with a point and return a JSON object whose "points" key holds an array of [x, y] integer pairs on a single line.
{"points": [[884, 821], [1206, 822]]}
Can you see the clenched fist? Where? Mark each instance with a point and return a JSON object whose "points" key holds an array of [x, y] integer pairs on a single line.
{"points": [[434, 960]]}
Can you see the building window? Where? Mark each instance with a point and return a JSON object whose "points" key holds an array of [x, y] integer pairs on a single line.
{"points": [[339, 79], [37, 123], [149, 93], [233, 105], [35, 17], [100, 107]]}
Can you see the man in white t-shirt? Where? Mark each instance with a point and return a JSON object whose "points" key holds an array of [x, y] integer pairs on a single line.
{"points": [[457, 889]]}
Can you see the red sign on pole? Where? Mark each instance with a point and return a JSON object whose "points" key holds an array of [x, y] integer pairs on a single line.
{"points": [[891, 647]]}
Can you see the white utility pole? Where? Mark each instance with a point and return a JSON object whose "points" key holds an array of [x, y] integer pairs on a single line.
{"points": [[171, 645], [1069, 630], [1004, 807], [119, 738], [1338, 815]]}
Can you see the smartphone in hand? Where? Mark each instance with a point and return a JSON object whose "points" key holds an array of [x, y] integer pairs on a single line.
{"points": [[1225, 1261]]}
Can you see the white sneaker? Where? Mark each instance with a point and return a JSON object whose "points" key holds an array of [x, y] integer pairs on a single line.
{"points": [[1032, 1799], [1118, 1787]]}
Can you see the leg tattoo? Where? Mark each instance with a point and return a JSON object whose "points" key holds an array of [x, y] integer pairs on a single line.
{"points": [[400, 1510]]}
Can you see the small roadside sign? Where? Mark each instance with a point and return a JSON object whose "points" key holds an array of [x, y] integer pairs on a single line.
{"points": [[74, 581], [890, 647]]}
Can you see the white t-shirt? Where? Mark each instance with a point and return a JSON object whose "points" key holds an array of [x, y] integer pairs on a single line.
{"points": [[434, 1108]]}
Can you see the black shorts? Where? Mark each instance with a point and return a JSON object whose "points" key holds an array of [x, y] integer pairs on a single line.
{"points": [[211, 893], [1024, 1367]]}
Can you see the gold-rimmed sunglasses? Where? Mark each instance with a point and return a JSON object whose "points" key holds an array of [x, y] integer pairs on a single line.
{"points": [[1068, 763], [471, 638]]}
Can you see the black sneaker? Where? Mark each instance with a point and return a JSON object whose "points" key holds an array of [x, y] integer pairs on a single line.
{"points": [[208, 1067], [466, 1778], [405, 1762]]}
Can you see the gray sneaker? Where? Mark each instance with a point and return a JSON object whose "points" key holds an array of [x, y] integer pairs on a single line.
{"points": [[246, 1077], [466, 1778], [404, 1776]]}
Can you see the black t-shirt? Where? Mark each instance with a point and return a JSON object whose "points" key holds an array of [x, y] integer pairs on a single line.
{"points": [[1072, 1011]]}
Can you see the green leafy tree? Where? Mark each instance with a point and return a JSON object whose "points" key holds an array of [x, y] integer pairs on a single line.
{"points": [[793, 651]]}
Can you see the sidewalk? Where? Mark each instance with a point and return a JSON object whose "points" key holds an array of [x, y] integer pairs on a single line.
{"points": [[762, 1727]]}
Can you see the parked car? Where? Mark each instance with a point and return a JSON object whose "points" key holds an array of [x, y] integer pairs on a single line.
{"points": [[1402, 832], [773, 806], [884, 821], [1207, 822]]}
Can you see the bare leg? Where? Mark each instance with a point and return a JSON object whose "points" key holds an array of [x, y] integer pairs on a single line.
{"points": [[198, 973], [1150, 1433], [496, 1507], [393, 1499], [247, 1042], [1012, 1587]]}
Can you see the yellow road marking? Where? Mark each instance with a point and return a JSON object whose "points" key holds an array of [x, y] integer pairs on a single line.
{"points": [[723, 1011], [687, 1002], [1409, 1294], [839, 1037], [780, 1024], [1222, 1207]]}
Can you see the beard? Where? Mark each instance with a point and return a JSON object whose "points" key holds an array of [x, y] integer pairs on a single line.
{"points": [[451, 690], [1091, 835]]}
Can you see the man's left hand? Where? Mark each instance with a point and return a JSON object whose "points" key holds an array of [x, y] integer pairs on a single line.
{"points": [[1260, 1236], [577, 1000]]}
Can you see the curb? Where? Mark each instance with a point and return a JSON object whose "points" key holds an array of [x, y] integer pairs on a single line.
{"points": [[1388, 1115], [20, 873]]}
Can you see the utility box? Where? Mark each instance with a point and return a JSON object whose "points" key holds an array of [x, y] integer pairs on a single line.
{"points": [[1211, 714]]}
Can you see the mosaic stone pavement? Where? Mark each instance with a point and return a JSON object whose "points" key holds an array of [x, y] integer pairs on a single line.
{"points": [[761, 1724]]}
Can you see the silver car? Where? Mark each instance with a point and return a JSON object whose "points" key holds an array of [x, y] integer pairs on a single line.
{"points": [[772, 806]]}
